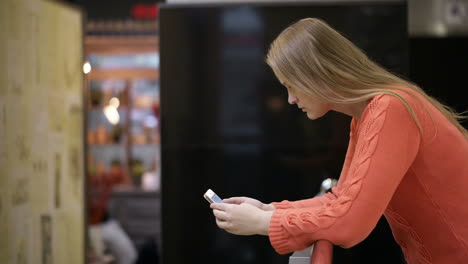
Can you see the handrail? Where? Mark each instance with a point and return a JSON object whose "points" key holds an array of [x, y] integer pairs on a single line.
{"points": [[321, 252]]}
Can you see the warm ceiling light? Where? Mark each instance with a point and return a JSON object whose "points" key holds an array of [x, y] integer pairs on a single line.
{"points": [[86, 68]]}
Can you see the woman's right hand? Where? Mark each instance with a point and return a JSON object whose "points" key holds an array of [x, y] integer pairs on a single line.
{"points": [[251, 201]]}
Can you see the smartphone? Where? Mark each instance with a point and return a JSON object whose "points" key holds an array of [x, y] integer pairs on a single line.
{"points": [[212, 197]]}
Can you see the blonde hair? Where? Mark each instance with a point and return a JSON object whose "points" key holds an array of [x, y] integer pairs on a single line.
{"points": [[311, 56]]}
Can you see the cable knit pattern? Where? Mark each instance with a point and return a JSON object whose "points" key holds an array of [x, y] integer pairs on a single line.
{"points": [[322, 217], [366, 149], [313, 202], [423, 255]]}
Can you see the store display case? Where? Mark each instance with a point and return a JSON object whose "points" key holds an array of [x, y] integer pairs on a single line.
{"points": [[123, 106], [122, 135], [123, 149]]}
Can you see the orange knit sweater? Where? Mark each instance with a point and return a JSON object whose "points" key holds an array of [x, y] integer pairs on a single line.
{"points": [[419, 181]]}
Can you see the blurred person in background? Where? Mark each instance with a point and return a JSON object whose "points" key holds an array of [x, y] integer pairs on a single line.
{"points": [[109, 242]]}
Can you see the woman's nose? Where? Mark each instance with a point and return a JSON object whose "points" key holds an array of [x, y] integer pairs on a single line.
{"points": [[292, 99]]}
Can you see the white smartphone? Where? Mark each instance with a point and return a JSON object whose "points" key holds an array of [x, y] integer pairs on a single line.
{"points": [[212, 197]]}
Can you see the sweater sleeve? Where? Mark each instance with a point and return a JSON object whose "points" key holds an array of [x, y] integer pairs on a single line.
{"points": [[312, 202], [387, 143]]}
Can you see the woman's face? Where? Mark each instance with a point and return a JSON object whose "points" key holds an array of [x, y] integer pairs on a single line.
{"points": [[313, 107]]}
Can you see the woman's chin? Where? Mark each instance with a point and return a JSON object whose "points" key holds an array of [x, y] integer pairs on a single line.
{"points": [[313, 116]]}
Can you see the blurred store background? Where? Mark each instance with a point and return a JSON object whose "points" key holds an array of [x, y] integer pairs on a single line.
{"points": [[121, 46]]}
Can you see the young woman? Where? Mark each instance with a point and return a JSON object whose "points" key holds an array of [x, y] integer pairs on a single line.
{"points": [[407, 157]]}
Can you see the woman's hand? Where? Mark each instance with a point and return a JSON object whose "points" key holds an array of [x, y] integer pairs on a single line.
{"points": [[251, 201], [241, 219]]}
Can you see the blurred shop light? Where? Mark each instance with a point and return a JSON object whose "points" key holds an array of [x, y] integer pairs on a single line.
{"points": [[86, 67], [440, 29], [114, 101], [112, 114]]}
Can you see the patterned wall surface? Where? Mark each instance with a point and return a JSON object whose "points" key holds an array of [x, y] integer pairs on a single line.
{"points": [[41, 133]]}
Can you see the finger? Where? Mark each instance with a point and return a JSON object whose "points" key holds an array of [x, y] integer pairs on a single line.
{"points": [[221, 215], [219, 206], [234, 200], [223, 224]]}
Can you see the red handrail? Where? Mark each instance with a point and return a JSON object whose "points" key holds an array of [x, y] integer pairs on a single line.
{"points": [[322, 252]]}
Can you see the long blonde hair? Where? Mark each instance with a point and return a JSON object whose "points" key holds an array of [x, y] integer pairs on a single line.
{"points": [[311, 56]]}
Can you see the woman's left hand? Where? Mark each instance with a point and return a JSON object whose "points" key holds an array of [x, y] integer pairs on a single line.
{"points": [[241, 219]]}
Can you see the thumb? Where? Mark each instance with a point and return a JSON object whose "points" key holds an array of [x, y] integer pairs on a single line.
{"points": [[219, 206], [234, 200]]}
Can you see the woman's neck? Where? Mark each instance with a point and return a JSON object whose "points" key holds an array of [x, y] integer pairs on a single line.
{"points": [[354, 110]]}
